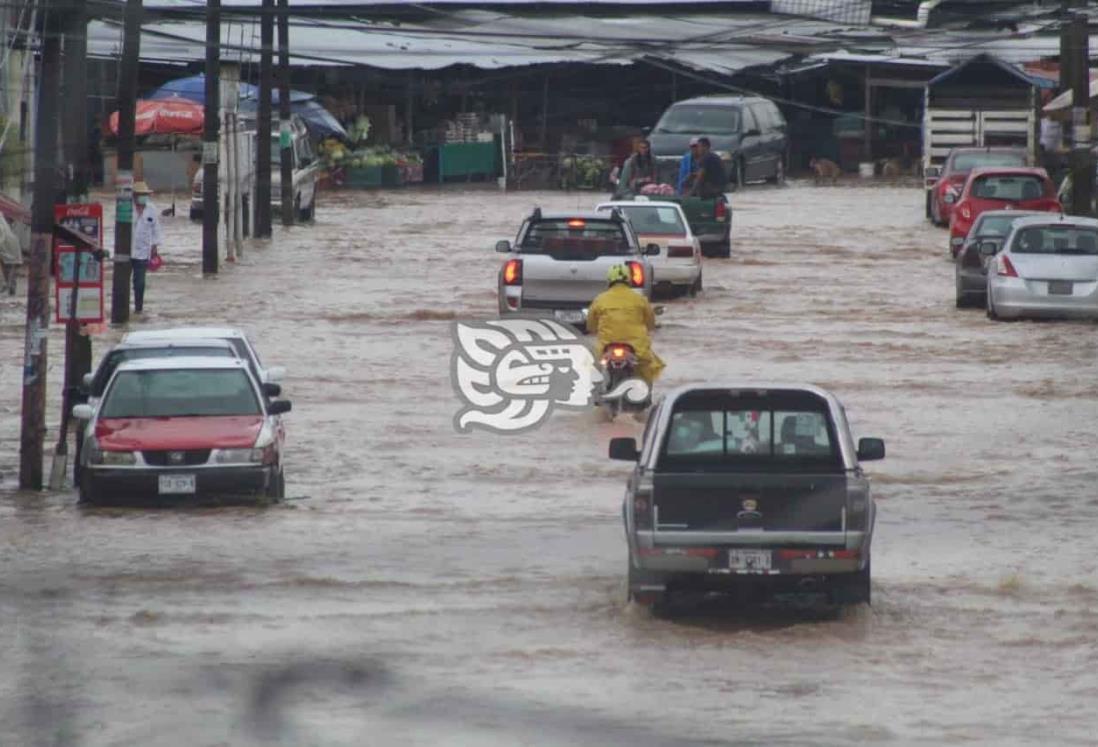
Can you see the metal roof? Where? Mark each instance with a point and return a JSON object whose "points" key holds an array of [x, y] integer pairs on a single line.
{"points": [[490, 39]]}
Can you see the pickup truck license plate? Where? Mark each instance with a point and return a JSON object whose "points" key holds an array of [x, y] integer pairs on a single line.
{"points": [[568, 316], [749, 560], [1059, 288], [176, 484]]}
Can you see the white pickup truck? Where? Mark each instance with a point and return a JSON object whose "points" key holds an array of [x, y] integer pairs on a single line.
{"points": [[559, 261]]}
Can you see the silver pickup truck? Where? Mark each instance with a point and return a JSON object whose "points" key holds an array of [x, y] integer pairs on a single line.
{"points": [[748, 489], [559, 262]]}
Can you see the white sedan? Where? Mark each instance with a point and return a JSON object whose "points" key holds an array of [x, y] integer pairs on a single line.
{"points": [[678, 265]]}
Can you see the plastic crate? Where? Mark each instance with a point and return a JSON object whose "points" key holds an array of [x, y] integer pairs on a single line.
{"points": [[390, 175], [364, 177]]}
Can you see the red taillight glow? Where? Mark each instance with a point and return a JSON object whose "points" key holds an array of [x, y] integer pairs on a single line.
{"points": [[512, 272], [818, 554], [690, 552], [966, 212], [1006, 268], [636, 274], [722, 210], [577, 223]]}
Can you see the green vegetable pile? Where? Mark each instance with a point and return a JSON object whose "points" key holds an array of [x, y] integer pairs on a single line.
{"points": [[583, 172]]}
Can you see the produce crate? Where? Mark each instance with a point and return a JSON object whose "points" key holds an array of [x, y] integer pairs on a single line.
{"points": [[411, 173], [390, 175], [364, 177]]}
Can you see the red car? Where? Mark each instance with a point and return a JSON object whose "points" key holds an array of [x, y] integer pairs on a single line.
{"points": [[946, 190], [1000, 189], [173, 427]]}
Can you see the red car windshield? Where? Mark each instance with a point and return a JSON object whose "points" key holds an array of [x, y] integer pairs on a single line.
{"points": [[187, 392], [1008, 187]]}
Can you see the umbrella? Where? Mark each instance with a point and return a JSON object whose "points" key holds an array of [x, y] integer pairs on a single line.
{"points": [[319, 120], [165, 117], [194, 88]]}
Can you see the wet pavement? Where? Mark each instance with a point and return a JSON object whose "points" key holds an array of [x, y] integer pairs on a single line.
{"points": [[421, 587]]}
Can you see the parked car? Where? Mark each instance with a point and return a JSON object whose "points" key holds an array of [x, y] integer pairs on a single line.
{"points": [[970, 266], [1048, 267], [182, 426], [747, 132], [559, 263], [306, 171], [237, 337], [1000, 189], [946, 184], [748, 488], [678, 265], [96, 382]]}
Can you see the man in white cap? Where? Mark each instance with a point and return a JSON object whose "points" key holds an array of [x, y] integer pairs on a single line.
{"points": [[687, 167], [146, 240]]}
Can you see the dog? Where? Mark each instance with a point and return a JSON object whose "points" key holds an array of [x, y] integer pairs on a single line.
{"points": [[892, 167], [824, 170]]}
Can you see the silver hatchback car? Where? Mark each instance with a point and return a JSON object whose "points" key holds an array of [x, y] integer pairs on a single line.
{"points": [[1048, 267]]}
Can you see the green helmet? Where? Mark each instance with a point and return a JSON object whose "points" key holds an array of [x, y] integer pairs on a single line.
{"points": [[617, 274]]}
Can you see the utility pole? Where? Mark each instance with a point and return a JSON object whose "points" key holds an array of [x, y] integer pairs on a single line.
{"points": [[78, 349], [1082, 160], [123, 212], [263, 124], [33, 427], [285, 138], [210, 137]]}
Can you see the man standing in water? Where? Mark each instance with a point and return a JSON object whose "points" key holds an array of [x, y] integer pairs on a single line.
{"points": [[146, 241]]}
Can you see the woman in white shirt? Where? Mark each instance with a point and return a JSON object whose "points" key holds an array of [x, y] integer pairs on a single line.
{"points": [[146, 240]]}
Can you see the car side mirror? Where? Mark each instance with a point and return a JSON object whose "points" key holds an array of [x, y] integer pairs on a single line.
{"points": [[279, 406], [652, 250], [933, 172], [646, 130], [870, 449], [83, 412], [271, 389], [949, 198], [274, 374], [988, 248], [503, 246], [624, 449]]}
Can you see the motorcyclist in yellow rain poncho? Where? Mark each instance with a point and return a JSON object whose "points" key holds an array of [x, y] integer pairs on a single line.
{"points": [[620, 314]]}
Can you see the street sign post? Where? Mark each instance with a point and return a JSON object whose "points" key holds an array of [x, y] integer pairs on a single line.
{"points": [[87, 283]]}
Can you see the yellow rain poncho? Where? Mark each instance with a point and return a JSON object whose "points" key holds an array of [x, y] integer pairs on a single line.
{"points": [[620, 314]]}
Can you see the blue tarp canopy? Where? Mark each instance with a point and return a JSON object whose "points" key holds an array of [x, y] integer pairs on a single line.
{"points": [[319, 120]]}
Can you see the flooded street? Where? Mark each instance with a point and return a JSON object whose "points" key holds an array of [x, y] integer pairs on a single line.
{"points": [[424, 587]]}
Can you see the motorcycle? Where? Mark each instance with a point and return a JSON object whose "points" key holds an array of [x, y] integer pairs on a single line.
{"points": [[621, 389]]}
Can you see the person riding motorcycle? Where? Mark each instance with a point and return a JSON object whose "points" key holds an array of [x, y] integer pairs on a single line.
{"points": [[620, 314]]}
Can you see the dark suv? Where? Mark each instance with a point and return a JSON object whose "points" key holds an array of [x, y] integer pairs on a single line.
{"points": [[748, 133]]}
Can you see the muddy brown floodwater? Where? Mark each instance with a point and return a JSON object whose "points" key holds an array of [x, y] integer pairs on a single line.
{"points": [[421, 587]]}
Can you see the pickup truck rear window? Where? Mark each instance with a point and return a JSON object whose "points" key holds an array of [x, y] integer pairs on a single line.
{"points": [[781, 432], [577, 238]]}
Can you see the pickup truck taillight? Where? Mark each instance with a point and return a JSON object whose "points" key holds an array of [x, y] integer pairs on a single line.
{"points": [[512, 272], [721, 211], [636, 274], [642, 503]]}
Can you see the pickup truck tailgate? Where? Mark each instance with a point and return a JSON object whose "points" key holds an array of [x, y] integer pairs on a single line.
{"points": [[570, 278], [747, 504]]}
